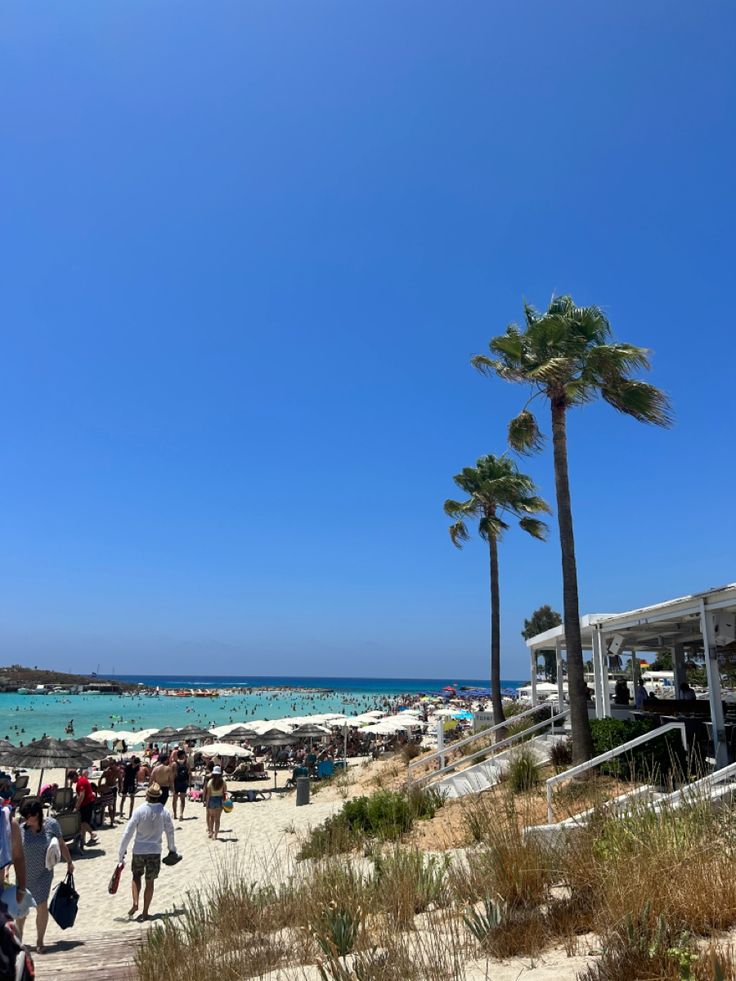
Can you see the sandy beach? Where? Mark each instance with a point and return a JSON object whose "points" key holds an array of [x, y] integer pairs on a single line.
{"points": [[261, 839]]}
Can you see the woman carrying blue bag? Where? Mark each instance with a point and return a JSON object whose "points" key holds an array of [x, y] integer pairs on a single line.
{"points": [[43, 845]]}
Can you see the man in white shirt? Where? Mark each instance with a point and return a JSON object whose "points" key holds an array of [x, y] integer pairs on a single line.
{"points": [[148, 823]]}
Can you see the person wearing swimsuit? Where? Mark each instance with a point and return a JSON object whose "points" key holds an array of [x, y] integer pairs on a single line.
{"points": [[181, 783], [214, 798]]}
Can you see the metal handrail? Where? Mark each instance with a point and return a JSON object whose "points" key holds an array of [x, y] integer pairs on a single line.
{"points": [[495, 747], [609, 755], [718, 776], [440, 753]]}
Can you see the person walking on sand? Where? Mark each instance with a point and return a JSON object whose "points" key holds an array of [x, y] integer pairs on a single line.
{"points": [[148, 823], [84, 804], [163, 775], [181, 783], [214, 798], [38, 832]]}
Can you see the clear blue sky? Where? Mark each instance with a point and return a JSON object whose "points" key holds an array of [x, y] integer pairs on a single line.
{"points": [[247, 251]]}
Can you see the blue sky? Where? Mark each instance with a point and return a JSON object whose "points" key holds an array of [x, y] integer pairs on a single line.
{"points": [[248, 250]]}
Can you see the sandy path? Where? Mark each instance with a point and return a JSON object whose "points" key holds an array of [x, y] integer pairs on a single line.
{"points": [[255, 836]]}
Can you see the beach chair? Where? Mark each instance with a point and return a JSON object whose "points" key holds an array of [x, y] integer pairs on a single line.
{"points": [[63, 800], [325, 768], [21, 781], [71, 828], [18, 796]]}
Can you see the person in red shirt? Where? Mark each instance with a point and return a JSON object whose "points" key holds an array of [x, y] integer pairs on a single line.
{"points": [[84, 804]]}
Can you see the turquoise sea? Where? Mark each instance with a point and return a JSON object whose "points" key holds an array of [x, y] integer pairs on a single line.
{"points": [[25, 717]]}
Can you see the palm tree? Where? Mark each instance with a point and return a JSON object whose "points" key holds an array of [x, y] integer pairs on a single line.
{"points": [[566, 355], [495, 489]]}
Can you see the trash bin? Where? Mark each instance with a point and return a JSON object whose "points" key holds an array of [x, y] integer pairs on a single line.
{"points": [[302, 791]]}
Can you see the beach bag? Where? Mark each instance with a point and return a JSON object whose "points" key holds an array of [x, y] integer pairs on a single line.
{"points": [[15, 961], [115, 879], [64, 903]]}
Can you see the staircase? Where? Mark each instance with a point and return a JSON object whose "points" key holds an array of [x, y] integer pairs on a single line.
{"points": [[486, 774], [714, 789], [482, 768]]}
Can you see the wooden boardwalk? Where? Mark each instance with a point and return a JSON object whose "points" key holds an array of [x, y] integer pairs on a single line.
{"points": [[100, 958]]}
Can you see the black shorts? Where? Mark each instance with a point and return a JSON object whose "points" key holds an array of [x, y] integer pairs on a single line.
{"points": [[164, 795], [85, 813], [181, 788]]}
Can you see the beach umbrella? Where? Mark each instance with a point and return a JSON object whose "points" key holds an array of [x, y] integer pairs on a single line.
{"points": [[90, 747], [194, 733], [102, 735], [6, 744], [241, 733], [275, 737], [311, 731], [45, 754], [226, 749], [165, 735]]}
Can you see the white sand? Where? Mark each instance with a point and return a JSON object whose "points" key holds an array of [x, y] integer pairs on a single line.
{"points": [[257, 837]]}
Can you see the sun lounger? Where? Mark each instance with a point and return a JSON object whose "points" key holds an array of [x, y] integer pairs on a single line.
{"points": [[71, 828], [63, 800]]}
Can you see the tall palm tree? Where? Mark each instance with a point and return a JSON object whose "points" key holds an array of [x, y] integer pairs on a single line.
{"points": [[567, 357], [496, 489]]}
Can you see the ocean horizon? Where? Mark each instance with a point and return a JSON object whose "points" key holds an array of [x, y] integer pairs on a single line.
{"points": [[26, 717]]}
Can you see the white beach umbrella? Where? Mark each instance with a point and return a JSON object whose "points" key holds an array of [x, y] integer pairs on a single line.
{"points": [[382, 729], [137, 738], [226, 749], [103, 735]]}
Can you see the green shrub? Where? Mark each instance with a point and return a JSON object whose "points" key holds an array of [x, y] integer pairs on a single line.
{"points": [[338, 929], [385, 815], [410, 752], [560, 755], [407, 882], [654, 760], [524, 771]]}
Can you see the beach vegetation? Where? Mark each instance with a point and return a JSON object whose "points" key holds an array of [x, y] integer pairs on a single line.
{"points": [[385, 815], [524, 771], [658, 760], [565, 356], [651, 892], [496, 493], [560, 755]]}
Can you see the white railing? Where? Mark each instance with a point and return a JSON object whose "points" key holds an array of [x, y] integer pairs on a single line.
{"points": [[691, 790], [575, 771], [481, 734], [485, 750]]}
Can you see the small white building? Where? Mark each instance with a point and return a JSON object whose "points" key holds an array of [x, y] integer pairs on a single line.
{"points": [[703, 625]]}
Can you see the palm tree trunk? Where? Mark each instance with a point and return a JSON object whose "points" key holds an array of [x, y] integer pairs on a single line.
{"points": [[498, 715], [582, 740]]}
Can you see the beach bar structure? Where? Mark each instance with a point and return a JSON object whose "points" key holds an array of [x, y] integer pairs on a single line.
{"points": [[702, 625]]}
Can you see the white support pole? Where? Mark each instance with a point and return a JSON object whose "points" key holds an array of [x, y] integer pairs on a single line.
{"points": [[441, 741], [678, 666], [534, 675], [604, 675], [597, 674], [635, 674], [720, 744], [560, 676]]}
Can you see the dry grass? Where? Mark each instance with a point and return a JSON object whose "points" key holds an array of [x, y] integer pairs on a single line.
{"points": [[655, 889]]}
